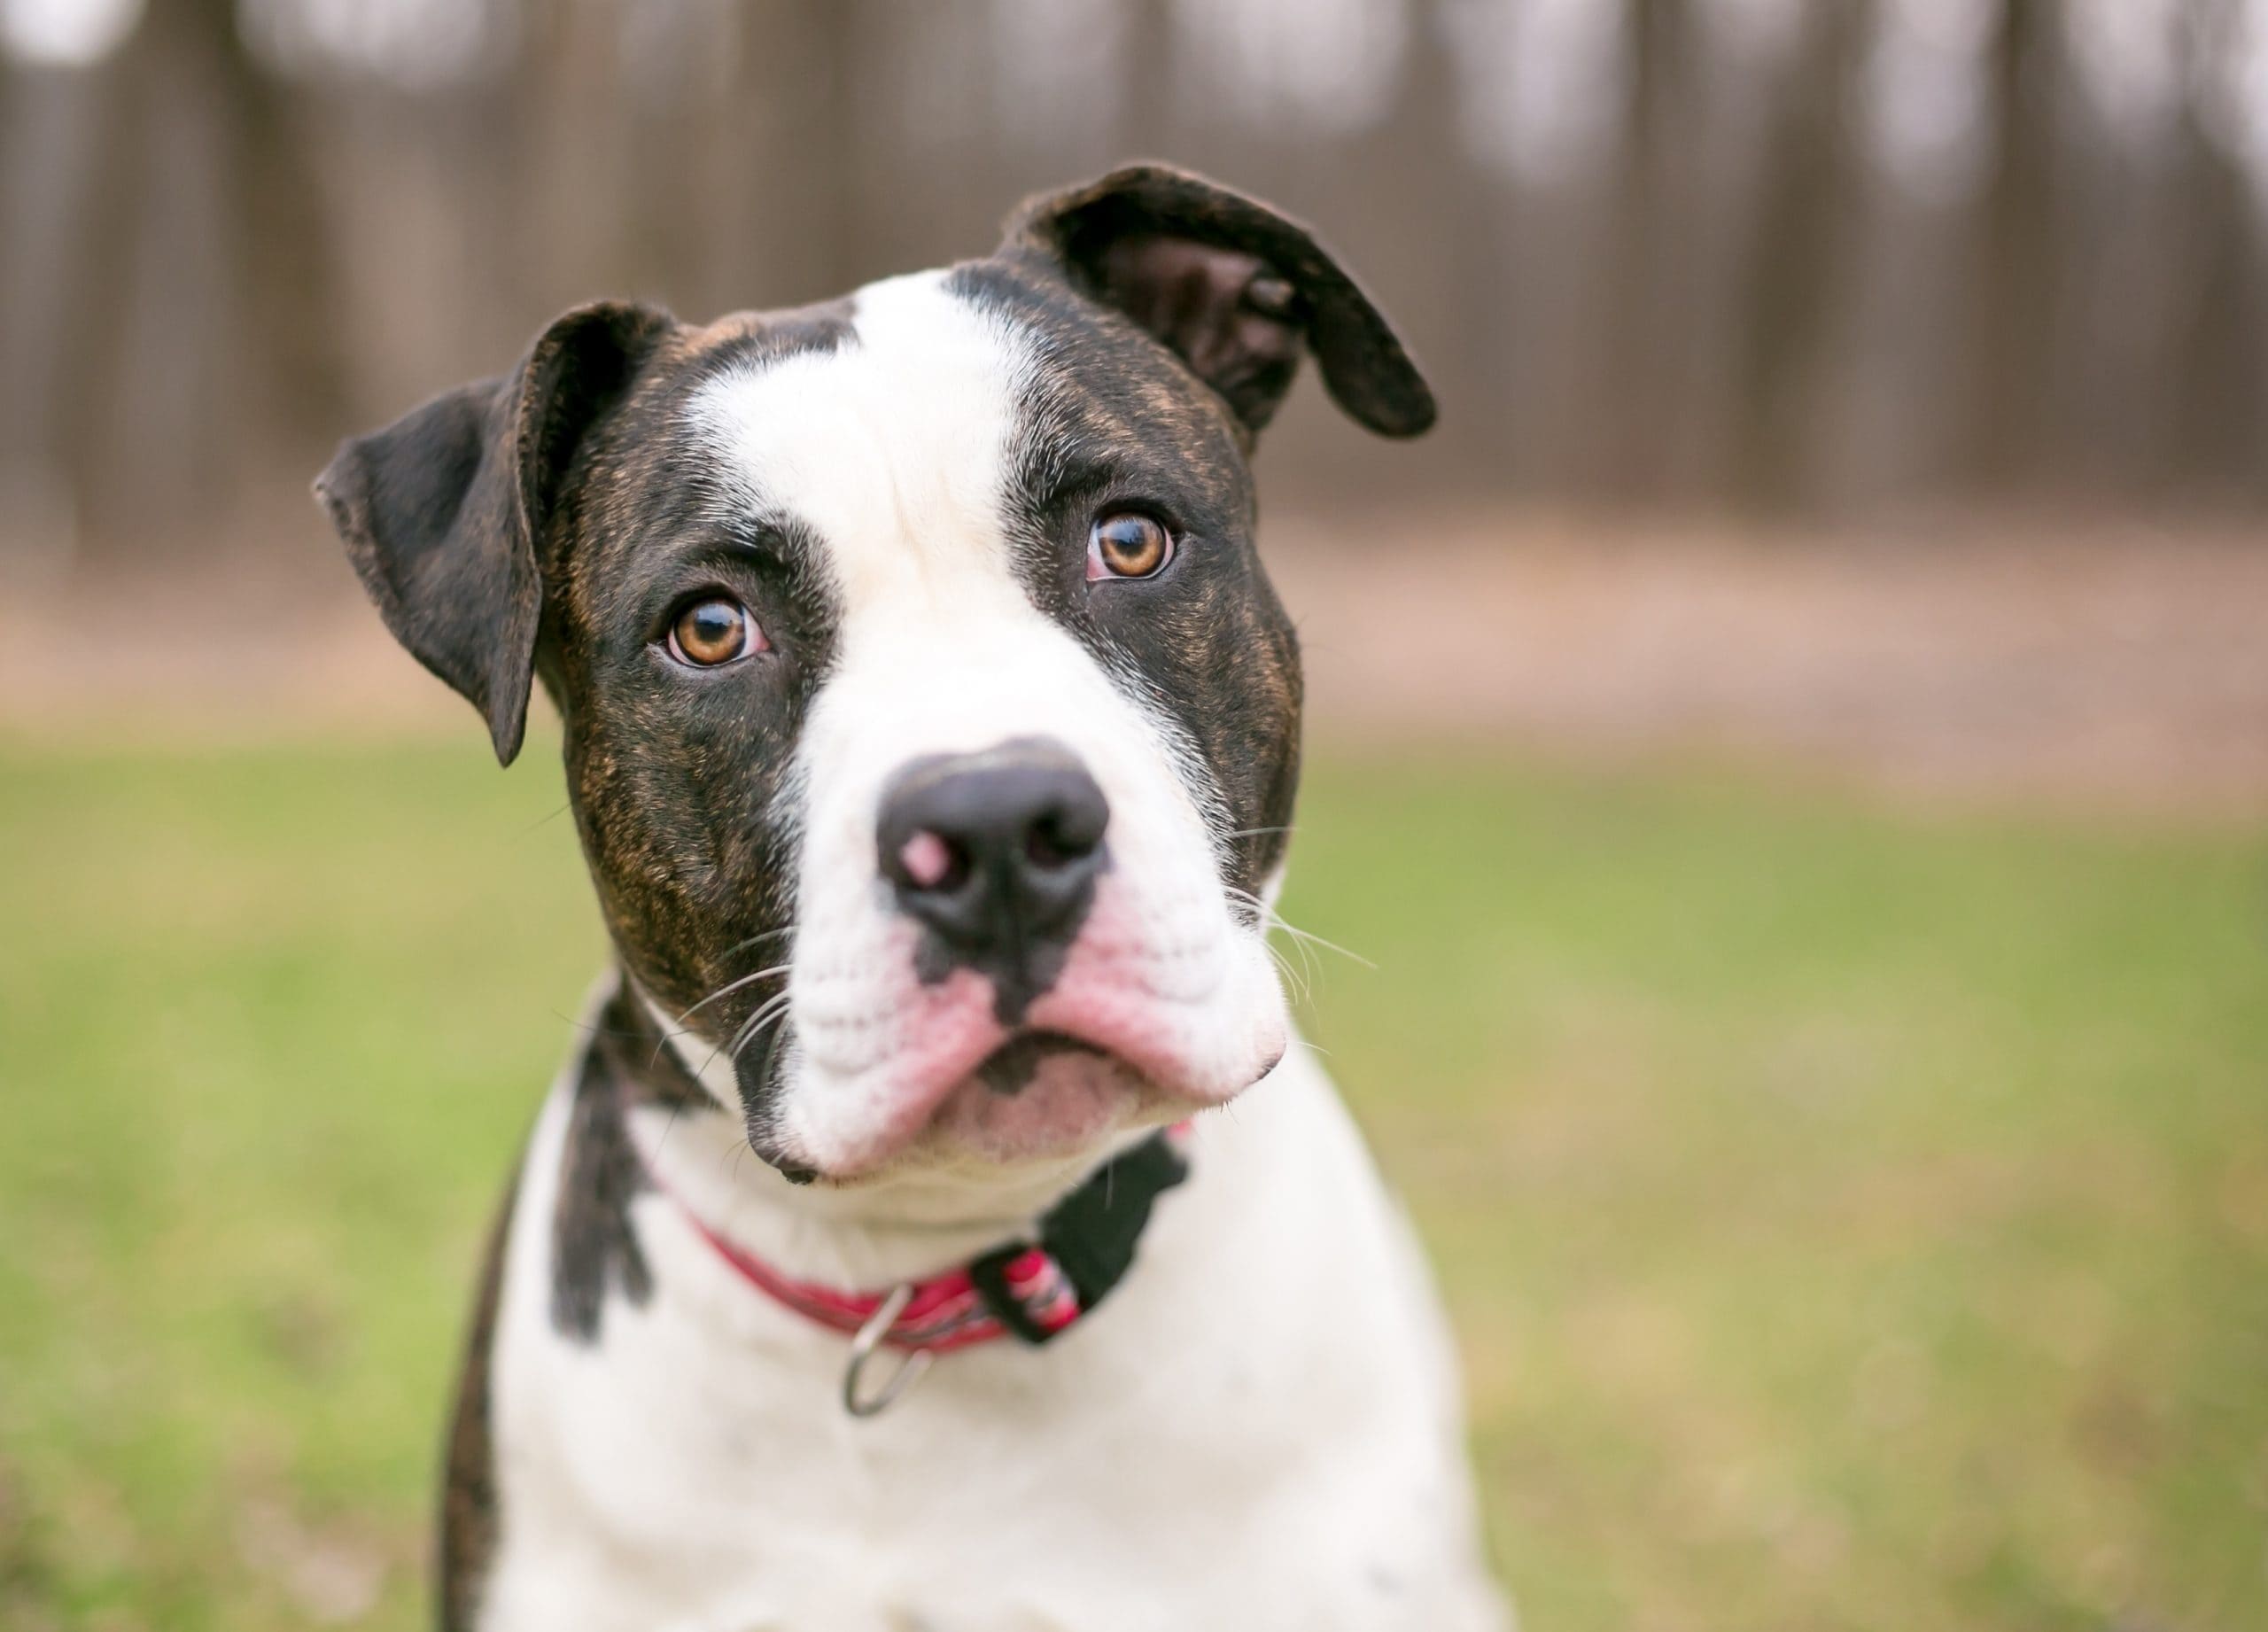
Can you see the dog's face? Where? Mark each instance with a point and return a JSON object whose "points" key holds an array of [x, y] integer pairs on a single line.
{"points": [[931, 727]]}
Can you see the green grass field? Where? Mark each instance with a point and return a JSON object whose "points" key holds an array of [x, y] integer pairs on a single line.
{"points": [[1853, 1220]]}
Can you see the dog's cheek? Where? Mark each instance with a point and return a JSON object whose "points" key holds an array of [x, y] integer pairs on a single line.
{"points": [[691, 861], [1248, 727], [1223, 658], [638, 881]]}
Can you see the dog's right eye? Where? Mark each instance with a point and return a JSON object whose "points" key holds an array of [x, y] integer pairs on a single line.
{"points": [[713, 630]]}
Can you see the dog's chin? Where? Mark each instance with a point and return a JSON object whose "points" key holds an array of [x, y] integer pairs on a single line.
{"points": [[1038, 1097]]}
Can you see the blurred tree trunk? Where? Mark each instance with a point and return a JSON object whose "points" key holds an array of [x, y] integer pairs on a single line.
{"points": [[1419, 227], [1653, 252], [1149, 62], [2012, 344], [802, 63], [1812, 175], [1462, 331], [97, 260], [289, 279], [71, 148], [282, 307], [2220, 418], [203, 336]]}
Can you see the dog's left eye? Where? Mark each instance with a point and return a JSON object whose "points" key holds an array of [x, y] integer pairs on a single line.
{"points": [[714, 631], [1128, 544]]}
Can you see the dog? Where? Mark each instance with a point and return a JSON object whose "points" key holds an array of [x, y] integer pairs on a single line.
{"points": [[936, 1226]]}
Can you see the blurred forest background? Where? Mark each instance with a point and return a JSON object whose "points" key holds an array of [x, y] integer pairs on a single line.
{"points": [[1751, 255]]}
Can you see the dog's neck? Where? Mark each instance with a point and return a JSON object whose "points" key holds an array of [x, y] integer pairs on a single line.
{"points": [[863, 1236]]}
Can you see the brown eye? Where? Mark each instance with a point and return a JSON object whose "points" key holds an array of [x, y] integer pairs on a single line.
{"points": [[712, 632], [1128, 544]]}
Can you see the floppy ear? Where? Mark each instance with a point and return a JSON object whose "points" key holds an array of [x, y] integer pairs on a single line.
{"points": [[1232, 288], [442, 512]]}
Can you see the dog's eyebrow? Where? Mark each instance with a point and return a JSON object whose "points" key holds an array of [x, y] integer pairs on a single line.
{"points": [[778, 541], [774, 536], [758, 535], [727, 513], [1050, 463]]}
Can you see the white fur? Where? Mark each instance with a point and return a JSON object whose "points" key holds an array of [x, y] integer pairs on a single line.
{"points": [[1258, 1431]]}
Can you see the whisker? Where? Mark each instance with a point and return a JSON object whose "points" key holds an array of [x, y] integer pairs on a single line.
{"points": [[1291, 976], [757, 940], [729, 987], [1277, 921], [772, 1055], [661, 1144], [1317, 940], [768, 1011], [1272, 919], [553, 816]]}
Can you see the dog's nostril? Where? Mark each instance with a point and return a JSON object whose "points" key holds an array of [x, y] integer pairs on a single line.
{"points": [[930, 862], [1057, 839]]}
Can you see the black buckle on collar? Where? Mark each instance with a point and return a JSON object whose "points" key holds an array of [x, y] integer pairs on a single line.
{"points": [[1092, 1234]]}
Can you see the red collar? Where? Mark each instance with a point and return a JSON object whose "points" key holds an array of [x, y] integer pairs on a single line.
{"points": [[941, 1313], [1032, 1289]]}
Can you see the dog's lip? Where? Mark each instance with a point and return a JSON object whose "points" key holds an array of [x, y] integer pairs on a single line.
{"points": [[1007, 1056], [1007, 1070]]}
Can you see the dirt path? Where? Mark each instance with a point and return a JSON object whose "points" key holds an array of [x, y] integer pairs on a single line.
{"points": [[2125, 669], [2129, 669]]}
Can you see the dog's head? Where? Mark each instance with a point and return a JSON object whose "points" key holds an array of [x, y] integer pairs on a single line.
{"points": [[931, 727]]}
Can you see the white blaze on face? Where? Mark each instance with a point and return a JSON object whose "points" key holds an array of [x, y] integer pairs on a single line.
{"points": [[895, 451]]}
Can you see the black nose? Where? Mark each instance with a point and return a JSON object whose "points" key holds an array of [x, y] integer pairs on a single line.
{"points": [[997, 854]]}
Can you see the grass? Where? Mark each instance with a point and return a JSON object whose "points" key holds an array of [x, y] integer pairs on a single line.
{"points": [[1853, 1220]]}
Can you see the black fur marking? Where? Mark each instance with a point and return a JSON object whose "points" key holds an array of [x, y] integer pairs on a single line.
{"points": [[595, 1249], [469, 1509]]}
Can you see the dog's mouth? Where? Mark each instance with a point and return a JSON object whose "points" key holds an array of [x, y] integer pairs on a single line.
{"points": [[1039, 1095], [1009, 1069], [1101, 1054]]}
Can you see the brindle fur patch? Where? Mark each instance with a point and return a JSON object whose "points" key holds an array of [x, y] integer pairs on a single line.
{"points": [[1117, 419], [675, 781]]}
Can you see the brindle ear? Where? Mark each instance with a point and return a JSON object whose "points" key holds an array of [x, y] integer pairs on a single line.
{"points": [[443, 510], [1232, 287]]}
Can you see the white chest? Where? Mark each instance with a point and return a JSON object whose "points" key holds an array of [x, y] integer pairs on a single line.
{"points": [[1260, 1430]]}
